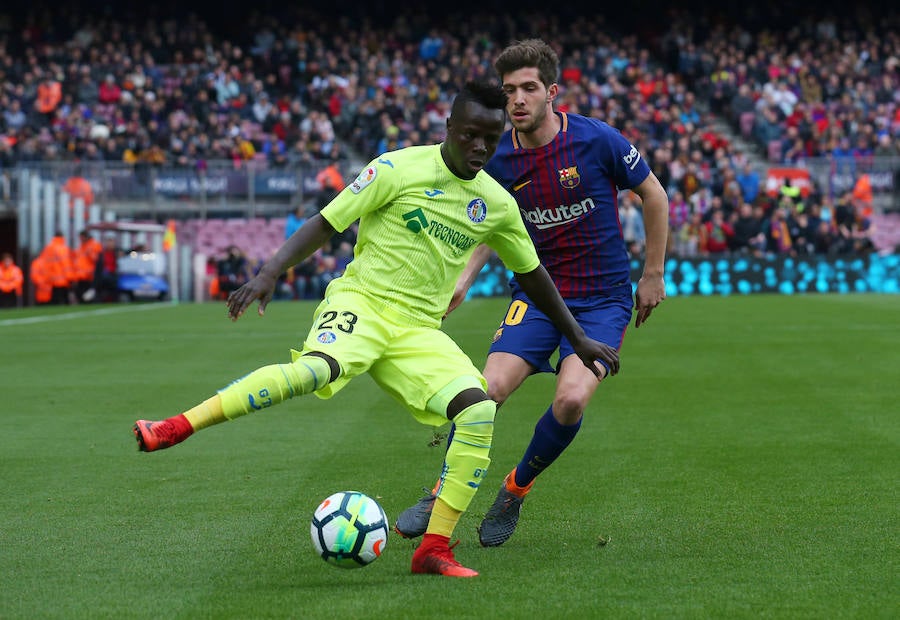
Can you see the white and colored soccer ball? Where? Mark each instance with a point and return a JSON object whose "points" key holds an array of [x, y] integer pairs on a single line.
{"points": [[349, 529]]}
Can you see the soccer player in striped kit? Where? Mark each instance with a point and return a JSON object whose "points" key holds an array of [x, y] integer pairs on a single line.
{"points": [[565, 172]]}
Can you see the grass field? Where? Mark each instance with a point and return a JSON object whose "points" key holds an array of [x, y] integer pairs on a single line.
{"points": [[743, 464]]}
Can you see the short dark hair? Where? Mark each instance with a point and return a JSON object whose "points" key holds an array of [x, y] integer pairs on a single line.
{"points": [[529, 53], [488, 94]]}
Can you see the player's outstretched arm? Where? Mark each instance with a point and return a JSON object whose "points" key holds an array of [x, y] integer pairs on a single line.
{"points": [[539, 287], [476, 263], [299, 246], [651, 288]]}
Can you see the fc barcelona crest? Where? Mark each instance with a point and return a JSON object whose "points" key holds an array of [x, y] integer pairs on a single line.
{"points": [[569, 177]]}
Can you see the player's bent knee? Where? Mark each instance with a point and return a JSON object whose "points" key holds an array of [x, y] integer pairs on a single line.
{"points": [[464, 400], [569, 405], [479, 416], [333, 367], [458, 394], [309, 373]]}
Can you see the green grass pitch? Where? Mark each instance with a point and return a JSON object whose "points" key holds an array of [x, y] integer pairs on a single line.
{"points": [[743, 464]]}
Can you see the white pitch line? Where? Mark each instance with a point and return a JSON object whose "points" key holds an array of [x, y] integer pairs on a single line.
{"points": [[77, 315]]}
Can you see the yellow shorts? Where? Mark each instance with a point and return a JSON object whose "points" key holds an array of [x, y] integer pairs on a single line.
{"points": [[414, 364]]}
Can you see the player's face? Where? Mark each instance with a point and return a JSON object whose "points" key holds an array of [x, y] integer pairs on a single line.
{"points": [[472, 137], [529, 100]]}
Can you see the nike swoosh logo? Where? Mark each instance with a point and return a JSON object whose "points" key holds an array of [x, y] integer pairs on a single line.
{"points": [[519, 186]]}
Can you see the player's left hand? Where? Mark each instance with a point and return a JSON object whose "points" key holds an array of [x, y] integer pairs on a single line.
{"points": [[260, 287], [651, 290]]}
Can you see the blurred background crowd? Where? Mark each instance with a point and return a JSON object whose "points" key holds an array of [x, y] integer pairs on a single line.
{"points": [[715, 97]]}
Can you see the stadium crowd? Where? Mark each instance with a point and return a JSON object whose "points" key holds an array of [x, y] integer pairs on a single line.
{"points": [[297, 86]]}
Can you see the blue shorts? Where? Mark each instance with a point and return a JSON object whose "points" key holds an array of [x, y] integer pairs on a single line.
{"points": [[528, 333]]}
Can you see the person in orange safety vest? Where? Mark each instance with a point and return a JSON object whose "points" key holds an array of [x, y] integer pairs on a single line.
{"points": [[10, 282], [40, 278], [58, 263]]}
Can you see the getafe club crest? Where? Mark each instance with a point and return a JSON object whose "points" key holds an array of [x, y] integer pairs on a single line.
{"points": [[569, 177], [477, 210], [326, 337]]}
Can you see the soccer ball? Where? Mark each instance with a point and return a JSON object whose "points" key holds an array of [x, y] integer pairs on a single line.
{"points": [[349, 529]]}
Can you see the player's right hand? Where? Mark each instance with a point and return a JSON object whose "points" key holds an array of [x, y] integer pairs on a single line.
{"points": [[260, 287]]}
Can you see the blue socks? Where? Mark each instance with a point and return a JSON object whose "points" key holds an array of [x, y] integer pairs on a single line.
{"points": [[548, 442]]}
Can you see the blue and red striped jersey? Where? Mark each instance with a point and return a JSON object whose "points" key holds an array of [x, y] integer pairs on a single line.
{"points": [[567, 193]]}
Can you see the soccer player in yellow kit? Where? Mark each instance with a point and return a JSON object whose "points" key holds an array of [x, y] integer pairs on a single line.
{"points": [[422, 210]]}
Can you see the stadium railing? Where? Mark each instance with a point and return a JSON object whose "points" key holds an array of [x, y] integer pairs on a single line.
{"points": [[218, 188]]}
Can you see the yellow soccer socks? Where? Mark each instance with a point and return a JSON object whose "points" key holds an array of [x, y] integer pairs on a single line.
{"points": [[274, 384], [468, 455], [443, 519], [205, 414]]}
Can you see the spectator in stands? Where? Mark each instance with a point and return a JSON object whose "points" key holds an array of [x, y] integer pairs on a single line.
{"points": [[802, 229], [860, 232], [306, 279], [691, 237], [887, 146], [825, 238], [767, 128], [742, 103], [718, 233], [87, 91], [749, 181], [294, 220], [793, 149], [679, 216], [431, 45], [749, 237], [632, 222], [13, 114], [109, 92], [779, 236], [49, 96], [332, 265], [11, 280]]}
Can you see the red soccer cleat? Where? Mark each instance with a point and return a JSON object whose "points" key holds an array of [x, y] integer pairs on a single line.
{"points": [[164, 434], [435, 557]]}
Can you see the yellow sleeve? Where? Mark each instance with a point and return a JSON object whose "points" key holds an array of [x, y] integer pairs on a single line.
{"points": [[373, 188]]}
